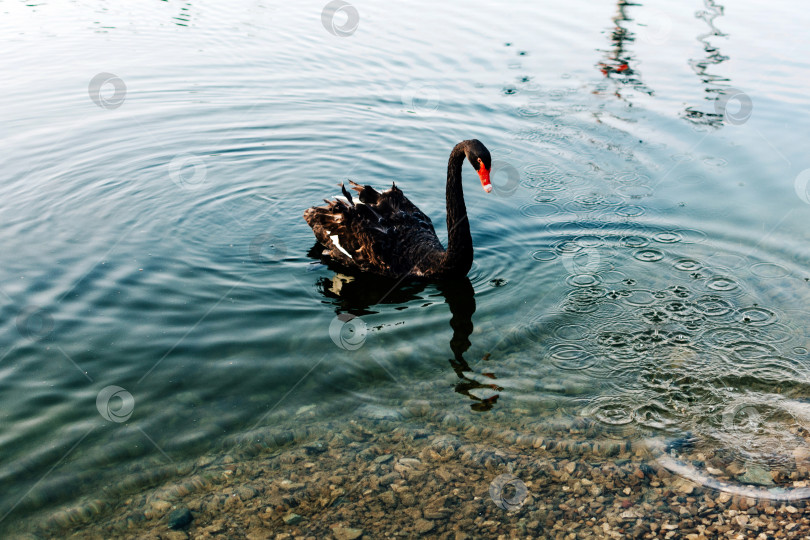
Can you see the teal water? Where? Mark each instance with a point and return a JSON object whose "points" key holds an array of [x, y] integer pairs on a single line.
{"points": [[643, 260]]}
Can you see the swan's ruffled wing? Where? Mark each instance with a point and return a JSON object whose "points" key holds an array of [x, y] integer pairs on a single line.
{"points": [[384, 233]]}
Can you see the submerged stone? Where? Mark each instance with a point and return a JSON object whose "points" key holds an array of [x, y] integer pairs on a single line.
{"points": [[756, 475], [180, 518], [424, 526], [292, 518], [377, 412], [347, 533]]}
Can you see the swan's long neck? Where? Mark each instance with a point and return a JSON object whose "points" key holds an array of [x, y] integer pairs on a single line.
{"points": [[459, 255]]}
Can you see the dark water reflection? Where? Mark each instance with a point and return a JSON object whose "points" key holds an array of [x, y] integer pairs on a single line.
{"points": [[356, 295], [620, 63], [716, 88]]}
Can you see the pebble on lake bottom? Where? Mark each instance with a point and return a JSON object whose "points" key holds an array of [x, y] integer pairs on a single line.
{"points": [[180, 518]]}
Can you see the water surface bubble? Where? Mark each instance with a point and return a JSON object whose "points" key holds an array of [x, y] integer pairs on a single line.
{"points": [[567, 246], [631, 177], [587, 240], [584, 280], [552, 182], [726, 260], [648, 255], [613, 276], [760, 429], [571, 332], [654, 316], [687, 265], [679, 291], [691, 178], [570, 357], [634, 191], [655, 415], [756, 316], [635, 241], [626, 355], [539, 169], [721, 283], [542, 327], [544, 255], [769, 270], [501, 151], [613, 338], [668, 237], [681, 338], [629, 210], [713, 305], [723, 337], [587, 295], [585, 203], [583, 261], [715, 162], [778, 369], [609, 311], [528, 111], [539, 210], [649, 338], [751, 350], [639, 297], [778, 332], [579, 307], [691, 236], [676, 307], [611, 410], [679, 158]]}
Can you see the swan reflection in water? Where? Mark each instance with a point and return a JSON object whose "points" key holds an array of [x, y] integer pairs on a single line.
{"points": [[357, 294]]}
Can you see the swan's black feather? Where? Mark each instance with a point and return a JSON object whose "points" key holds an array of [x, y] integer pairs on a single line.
{"points": [[384, 233], [368, 195], [346, 194]]}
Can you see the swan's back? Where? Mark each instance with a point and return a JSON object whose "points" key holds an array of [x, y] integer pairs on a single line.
{"points": [[383, 233]]}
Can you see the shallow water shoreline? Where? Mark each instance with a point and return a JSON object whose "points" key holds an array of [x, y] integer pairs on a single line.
{"points": [[434, 474]]}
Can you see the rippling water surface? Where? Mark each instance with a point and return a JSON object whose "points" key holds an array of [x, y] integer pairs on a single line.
{"points": [[642, 262]]}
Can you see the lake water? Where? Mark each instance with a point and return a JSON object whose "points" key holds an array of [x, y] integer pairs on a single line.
{"points": [[642, 264]]}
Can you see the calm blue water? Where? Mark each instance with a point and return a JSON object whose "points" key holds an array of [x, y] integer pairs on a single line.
{"points": [[642, 261]]}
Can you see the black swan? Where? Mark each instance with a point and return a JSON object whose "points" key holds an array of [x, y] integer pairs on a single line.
{"points": [[386, 234]]}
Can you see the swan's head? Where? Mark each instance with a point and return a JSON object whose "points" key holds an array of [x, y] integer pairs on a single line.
{"points": [[479, 156]]}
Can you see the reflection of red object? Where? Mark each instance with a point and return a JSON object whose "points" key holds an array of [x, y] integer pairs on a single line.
{"points": [[605, 68]]}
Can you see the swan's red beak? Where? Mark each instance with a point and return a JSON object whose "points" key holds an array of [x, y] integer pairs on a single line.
{"points": [[483, 173]]}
